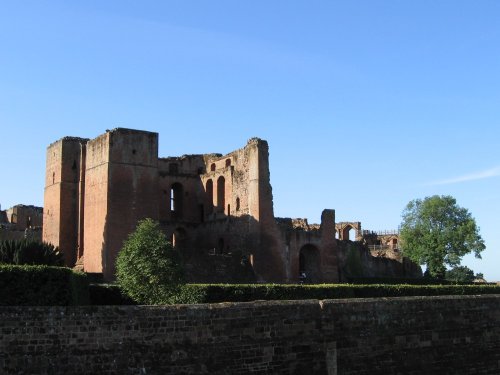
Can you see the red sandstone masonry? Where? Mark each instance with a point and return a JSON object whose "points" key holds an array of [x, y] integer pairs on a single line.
{"points": [[415, 335]]}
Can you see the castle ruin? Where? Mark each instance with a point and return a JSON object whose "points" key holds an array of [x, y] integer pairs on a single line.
{"points": [[216, 209]]}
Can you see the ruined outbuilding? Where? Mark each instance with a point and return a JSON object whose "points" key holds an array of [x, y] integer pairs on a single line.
{"points": [[21, 222], [217, 210]]}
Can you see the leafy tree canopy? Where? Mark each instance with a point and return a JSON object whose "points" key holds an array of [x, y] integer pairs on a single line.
{"points": [[436, 232], [148, 268], [460, 274]]}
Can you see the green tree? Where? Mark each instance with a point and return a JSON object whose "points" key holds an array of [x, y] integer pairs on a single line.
{"points": [[148, 268], [460, 274], [436, 232]]}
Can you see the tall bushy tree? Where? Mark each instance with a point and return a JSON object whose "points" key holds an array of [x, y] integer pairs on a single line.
{"points": [[436, 232], [148, 268]]}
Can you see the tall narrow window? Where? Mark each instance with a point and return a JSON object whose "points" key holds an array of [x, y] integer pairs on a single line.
{"points": [[221, 192], [176, 193], [210, 195], [212, 167], [237, 204]]}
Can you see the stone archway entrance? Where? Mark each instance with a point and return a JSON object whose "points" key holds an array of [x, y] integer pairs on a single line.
{"points": [[309, 264]]}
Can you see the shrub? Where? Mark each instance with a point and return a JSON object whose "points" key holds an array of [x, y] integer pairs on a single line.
{"points": [[42, 286], [148, 268], [29, 252]]}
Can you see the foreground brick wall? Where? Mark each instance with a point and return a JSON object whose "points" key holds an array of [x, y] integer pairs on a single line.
{"points": [[280, 338], [417, 335], [439, 335]]}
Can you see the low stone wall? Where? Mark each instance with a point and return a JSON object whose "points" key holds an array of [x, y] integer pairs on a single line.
{"points": [[267, 337], [417, 335]]}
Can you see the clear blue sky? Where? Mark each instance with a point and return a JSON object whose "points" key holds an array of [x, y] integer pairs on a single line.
{"points": [[366, 104]]}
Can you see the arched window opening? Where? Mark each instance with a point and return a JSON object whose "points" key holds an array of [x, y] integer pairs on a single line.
{"points": [[28, 222], [309, 264], [176, 194], [221, 192], [352, 234], [212, 167], [228, 162], [210, 195], [348, 233], [237, 203], [337, 235]]}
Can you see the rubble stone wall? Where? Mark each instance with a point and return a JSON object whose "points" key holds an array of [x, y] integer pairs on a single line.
{"points": [[414, 335]]}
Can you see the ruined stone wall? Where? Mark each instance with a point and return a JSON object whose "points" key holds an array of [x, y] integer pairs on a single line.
{"points": [[21, 222], [356, 261], [184, 171], [269, 260], [7, 233], [240, 195], [21, 216], [414, 335], [309, 249], [236, 196]]}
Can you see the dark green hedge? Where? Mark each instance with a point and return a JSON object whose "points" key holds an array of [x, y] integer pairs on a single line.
{"points": [[399, 281], [42, 286], [108, 294], [211, 293]]}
